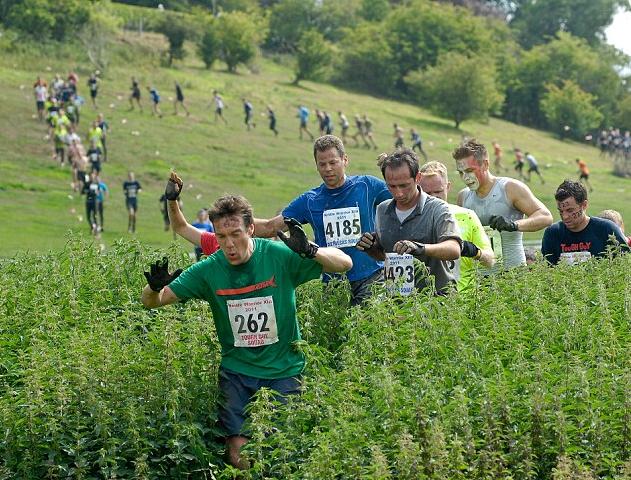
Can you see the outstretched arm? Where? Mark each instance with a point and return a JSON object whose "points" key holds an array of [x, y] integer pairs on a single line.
{"points": [[267, 228], [523, 199], [178, 222], [333, 260]]}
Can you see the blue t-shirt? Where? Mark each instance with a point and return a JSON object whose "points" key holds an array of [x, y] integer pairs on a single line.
{"points": [[560, 244], [155, 96], [102, 189], [350, 211], [304, 114], [204, 227]]}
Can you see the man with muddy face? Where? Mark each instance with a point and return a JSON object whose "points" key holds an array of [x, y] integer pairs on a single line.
{"points": [[577, 237], [250, 284], [505, 206]]}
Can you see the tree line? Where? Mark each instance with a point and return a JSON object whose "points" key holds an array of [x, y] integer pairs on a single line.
{"points": [[539, 63]]}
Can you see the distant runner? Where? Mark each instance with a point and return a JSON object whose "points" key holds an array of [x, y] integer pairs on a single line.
{"points": [[135, 94], [583, 171], [131, 187], [219, 106], [93, 86], [303, 115], [179, 99], [368, 131], [533, 166], [417, 142], [272, 120], [248, 110], [155, 101], [399, 141], [497, 150], [343, 125]]}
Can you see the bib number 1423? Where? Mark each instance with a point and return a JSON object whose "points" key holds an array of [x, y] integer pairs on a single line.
{"points": [[399, 273]]}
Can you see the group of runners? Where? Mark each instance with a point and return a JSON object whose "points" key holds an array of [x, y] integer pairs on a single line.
{"points": [[615, 143], [59, 104], [397, 230]]}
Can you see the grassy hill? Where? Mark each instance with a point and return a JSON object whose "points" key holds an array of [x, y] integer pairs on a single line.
{"points": [[37, 205]]}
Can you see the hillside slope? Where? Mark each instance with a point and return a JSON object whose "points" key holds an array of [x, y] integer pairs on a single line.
{"points": [[36, 202]]}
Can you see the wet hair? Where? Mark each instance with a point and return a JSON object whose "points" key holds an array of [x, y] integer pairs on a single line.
{"points": [[434, 168], [326, 142], [471, 147], [614, 216], [229, 206], [570, 188], [396, 159]]}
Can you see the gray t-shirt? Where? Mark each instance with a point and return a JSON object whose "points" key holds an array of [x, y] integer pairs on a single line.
{"points": [[430, 222]]}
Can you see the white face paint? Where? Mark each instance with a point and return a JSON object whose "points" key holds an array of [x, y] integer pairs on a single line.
{"points": [[467, 170]]}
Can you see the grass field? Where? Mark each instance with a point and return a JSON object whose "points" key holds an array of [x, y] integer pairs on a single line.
{"points": [[38, 208]]}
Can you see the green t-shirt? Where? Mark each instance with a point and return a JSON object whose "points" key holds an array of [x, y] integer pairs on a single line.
{"points": [[472, 230], [254, 306]]}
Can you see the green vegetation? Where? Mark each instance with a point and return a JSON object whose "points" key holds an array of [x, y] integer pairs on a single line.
{"points": [[519, 381]]}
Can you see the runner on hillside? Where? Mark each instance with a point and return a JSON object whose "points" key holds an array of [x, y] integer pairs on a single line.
{"points": [[359, 124], [519, 164], [303, 115], [179, 99], [497, 150], [250, 285], [476, 245], [104, 193], [248, 111], [338, 210], [203, 224], [155, 101], [583, 171], [132, 188], [40, 90], [105, 130], [343, 125], [93, 86], [533, 166], [219, 106], [91, 192], [272, 120], [399, 141], [577, 237], [413, 225], [500, 203], [94, 155], [135, 94], [417, 142], [368, 131]]}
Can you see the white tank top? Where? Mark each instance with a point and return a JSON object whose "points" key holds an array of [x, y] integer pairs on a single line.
{"points": [[496, 203]]}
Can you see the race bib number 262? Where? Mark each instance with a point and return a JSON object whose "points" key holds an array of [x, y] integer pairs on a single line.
{"points": [[253, 321]]}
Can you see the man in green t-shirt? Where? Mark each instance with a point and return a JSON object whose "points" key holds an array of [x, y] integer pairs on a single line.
{"points": [[250, 284], [475, 242]]}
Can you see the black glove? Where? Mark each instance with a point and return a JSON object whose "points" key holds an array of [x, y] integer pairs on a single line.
{"points": [[159, 277], [174, 187], [297, 240], [369, 243], [469, 249], [415, 249], [502, 224]]}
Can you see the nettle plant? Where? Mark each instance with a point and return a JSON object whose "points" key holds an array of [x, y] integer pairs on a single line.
{"points": [[529, 377]]}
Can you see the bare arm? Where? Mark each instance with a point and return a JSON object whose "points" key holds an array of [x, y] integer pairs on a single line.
{"points": [[333, 260], [446, 250], [151, 299], [267, 228], [539, 217], [181, 226]]}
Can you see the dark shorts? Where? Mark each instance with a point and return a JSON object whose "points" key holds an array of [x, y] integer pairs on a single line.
{"points": [[303, 124], [533, 169], [96, 166], [93, 93], [135, 94], [131, 203], [584, 176], [180, 98], [362, 289], [272, 124], [398, 143], [40, 105], [237, 390], [218, 110]]}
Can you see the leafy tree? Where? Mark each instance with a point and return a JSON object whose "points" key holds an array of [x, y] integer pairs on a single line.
{"points": [[458, 87], [565, 58], [313, 55], [421, 31], [366, 60], [56, 20], [209, 48], [98, 32], [374, 10], [538, 21], [238, 37], [287, 22], [176, 31], [333, 17], [569, 110], [623, 115]]}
